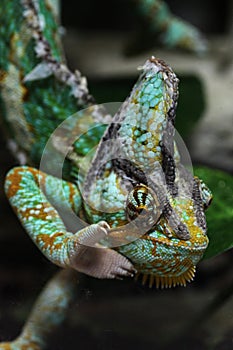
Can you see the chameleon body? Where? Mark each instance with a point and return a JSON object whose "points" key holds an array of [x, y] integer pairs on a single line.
{"points": [[135, 195]]}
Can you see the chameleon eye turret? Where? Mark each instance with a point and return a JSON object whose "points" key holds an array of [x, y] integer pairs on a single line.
{"points": [[206, 194], [142, 203]]}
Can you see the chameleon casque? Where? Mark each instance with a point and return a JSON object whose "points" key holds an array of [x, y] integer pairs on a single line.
{"points": [[135, 195]]}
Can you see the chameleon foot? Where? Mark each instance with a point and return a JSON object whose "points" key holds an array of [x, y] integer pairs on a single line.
{"points": [[93, 260]]}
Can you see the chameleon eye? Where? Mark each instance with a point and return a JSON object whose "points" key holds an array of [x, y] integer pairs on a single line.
{"points": [[142, 203], [205, 194]]}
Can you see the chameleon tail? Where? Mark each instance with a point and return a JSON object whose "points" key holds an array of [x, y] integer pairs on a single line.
{"points": [[47, 314], [174, 31]]}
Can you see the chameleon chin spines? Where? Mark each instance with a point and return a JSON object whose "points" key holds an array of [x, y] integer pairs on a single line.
{"points": [[169, 281]]}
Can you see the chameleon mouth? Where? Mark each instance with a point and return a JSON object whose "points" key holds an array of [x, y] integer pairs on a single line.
{"points": [[167, 281]]}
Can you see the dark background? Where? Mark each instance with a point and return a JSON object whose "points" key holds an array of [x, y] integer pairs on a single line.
{"points": [[212, 17], [119, 314]]}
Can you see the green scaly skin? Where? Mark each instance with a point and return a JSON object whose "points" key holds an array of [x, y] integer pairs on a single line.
{"points": [[146, 185]]}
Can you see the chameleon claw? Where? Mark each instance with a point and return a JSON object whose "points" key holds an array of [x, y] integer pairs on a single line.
{"points": [[91, 235], [84, 256]]}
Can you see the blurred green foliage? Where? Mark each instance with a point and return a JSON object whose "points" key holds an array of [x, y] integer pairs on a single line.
{"points": [[220, 213]]}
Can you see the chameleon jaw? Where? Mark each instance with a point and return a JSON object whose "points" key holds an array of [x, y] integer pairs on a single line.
{"points": [[163, 265]]}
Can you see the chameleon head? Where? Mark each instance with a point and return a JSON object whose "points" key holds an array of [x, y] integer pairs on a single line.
{"points": [[171, 246], [171, 223]]}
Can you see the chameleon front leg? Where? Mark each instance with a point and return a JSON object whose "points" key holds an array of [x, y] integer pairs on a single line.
{"points": [[32, 195], [48, 313]]}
